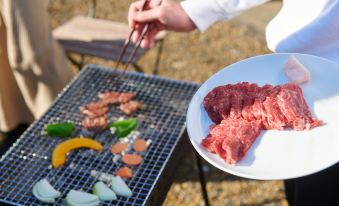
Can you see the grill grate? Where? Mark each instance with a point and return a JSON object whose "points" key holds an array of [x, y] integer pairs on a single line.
{"points": [[162, 121]]}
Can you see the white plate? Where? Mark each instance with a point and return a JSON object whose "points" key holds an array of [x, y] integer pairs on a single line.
{"points": [[277, 154]]}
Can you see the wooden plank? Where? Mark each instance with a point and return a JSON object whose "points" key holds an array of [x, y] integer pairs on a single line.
{"points": [[89, 29], [103, 50], [96, 37]]}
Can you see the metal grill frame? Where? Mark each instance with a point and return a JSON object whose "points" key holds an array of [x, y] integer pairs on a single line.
{"points": [[163, 121]]}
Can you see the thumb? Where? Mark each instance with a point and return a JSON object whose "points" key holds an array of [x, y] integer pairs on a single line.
{"points": [[146, 16]]}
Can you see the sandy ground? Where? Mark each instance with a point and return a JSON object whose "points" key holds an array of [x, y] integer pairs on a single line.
{"points": [[194, 57]]}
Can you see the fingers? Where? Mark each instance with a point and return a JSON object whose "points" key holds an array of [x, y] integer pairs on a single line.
{"points": [[138, 17], [133, 9], [137, 33], [136, 12], [154, 3], [146, 16], [149, 39]]}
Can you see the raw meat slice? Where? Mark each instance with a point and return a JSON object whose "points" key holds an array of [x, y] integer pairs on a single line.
{"points": [[258, 109], [274, 119], [232, 138], [207, 143], [293, 105], [218, 103], [248, 101], [243, 109], [295, 71], [236, 103]]}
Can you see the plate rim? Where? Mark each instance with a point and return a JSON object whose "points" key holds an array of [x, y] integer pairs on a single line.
{"points": [[210, 161]]}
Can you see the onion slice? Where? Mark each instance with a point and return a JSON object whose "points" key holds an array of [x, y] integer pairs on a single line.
{"points": [[77, 198], [103, 192], [45, 192], [120, 187]]}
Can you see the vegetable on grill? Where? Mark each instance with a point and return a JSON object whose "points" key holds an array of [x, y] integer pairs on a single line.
{"points": [[79, 198], [61, 150], [120, 188], [124, 127], [44, 191], [103, 192], [63, 129]]}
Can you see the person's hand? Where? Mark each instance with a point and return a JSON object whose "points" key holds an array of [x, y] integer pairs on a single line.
{"points": [[163, 15]]}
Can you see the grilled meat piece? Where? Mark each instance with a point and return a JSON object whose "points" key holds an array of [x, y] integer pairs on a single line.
{"points": [[98, 123], [130, 107], [95, 113], [92, 106], [126, 97], [109, 97]]}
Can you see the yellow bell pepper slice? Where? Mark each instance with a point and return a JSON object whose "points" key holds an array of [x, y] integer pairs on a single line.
{"points": [[61, 150]]}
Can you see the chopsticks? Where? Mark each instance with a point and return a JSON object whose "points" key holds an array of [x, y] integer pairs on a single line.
{"points": [[135, 48]]}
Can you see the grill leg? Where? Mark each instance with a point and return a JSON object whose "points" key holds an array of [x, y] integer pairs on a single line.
{"points": [[202, 179], [157, 61], [138, 68], [92, 8], [80, 64]]}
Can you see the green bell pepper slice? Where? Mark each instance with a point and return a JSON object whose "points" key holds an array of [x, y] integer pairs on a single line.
{"points": [[124, 127], [63, 129]]}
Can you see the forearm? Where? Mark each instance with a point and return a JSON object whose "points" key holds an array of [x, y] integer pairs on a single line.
{"points": [[206, 12]]}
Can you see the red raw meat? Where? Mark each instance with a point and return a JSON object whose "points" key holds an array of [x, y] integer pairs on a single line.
{"points": [[274, 118], [293, 105], [242, 110], [218, 102], [232, 138]]}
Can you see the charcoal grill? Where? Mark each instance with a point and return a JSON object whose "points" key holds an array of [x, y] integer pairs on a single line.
{"points": [[162, 121]]}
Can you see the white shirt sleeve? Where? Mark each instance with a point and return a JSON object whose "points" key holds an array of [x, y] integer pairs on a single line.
{"points": [[205, 12]]}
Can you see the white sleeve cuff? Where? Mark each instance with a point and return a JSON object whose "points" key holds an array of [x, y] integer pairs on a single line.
{"points": [[202, 12], [205, 12]]}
